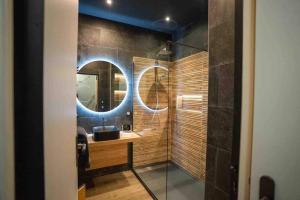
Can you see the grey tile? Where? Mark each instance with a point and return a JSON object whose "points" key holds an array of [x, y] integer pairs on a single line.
{"points": [[180, 185], [87, 123], [88, 52], [223, 170], [209, 191], [220, 11], [213, 193], [221, 44], [221, 86], [213, 86], [88, 35], [220, 195], [220, 127], [211, 160], [226, 85]]}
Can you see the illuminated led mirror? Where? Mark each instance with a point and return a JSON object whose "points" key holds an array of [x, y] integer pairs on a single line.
{"points": [[101, 86], [152, 88]]}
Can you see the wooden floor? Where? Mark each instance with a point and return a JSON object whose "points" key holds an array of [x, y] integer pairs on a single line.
{"points": [[118, 186]]}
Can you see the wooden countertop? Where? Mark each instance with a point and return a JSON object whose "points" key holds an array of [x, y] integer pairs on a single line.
{"points": [[125, 137]]}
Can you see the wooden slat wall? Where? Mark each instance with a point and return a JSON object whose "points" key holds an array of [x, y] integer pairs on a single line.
{"points": [[153, 146], [189, 76], [186, 127]]}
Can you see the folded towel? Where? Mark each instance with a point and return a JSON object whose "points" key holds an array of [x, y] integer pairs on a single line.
{"points": [[82, 148]]}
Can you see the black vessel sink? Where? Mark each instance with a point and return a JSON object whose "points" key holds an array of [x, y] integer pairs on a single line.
{"points": [[102, 133]]}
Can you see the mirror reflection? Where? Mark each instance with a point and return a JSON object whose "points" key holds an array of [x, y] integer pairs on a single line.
{"points": [[101, 86]]}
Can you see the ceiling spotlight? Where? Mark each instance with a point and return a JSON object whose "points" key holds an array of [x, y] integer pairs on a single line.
{"points": [[167, 19], [109, 2]]}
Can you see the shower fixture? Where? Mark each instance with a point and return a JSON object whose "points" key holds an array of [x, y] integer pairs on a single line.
{"points": [[165, 51]]}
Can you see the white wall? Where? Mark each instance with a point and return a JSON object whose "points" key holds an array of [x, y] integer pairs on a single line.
{"points": [[60, 60], [276, 134], [6, 102]]}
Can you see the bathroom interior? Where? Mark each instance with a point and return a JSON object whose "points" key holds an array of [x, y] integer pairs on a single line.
{"points": [[142, 99], [145, 99]]}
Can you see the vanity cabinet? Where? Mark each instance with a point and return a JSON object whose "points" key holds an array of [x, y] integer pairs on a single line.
{"points": [[111, 152]]}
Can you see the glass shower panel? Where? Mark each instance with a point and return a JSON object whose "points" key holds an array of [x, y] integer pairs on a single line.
{"points": [[151, 122], [188, 123], [170, 115]]}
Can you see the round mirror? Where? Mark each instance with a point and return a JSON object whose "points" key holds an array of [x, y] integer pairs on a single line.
{"points": [[101, 86], [153, 88]]}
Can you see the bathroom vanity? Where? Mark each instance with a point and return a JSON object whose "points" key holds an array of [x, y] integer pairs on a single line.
{"points": [[102, 91], [111, 152]]}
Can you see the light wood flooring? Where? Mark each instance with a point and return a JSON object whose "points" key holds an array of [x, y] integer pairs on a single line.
{"points": [[117, 186]]}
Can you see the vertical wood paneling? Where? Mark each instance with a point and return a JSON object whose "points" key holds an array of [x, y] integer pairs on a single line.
{"points": [[182, 130], [189, 76]]}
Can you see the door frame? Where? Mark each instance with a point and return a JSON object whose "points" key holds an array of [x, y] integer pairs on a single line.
{"points": [[7, 183], [249, 19], [45, 112]]}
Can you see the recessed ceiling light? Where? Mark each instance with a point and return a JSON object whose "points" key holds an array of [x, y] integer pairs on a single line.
{"points": [[167, 19], [109, 2]]}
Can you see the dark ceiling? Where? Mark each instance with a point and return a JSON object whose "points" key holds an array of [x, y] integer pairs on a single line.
{"points": [[148, 14]]}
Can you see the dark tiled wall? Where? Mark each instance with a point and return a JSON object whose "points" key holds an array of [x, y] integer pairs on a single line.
{"points": [[195, 35], [118, 42], [221, 24]]}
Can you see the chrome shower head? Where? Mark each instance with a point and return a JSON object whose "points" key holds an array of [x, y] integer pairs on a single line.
{"points": [[165, 52]]}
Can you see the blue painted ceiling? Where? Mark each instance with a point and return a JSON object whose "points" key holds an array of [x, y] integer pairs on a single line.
{"points": [[149, 14]]}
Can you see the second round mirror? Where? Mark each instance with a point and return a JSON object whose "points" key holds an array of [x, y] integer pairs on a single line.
{"points": [[153, 88]]}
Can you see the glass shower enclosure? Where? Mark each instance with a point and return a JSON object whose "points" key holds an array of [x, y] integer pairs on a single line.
{"points": [[170, 114]]}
